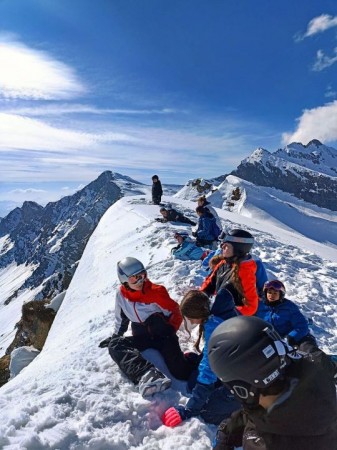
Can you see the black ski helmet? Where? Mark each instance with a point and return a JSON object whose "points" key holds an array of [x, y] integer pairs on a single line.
{"points": [[241, 240], [277, 286], [248, 349]]}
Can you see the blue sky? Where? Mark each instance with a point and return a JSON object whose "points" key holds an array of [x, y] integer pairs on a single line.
{"points": [[181, 88]]}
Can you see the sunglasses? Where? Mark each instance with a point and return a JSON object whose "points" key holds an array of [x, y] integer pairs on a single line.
{"points": [[137, 278]]}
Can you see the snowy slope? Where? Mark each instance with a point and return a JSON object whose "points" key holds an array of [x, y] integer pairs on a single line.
{"points": [[73, 397]]}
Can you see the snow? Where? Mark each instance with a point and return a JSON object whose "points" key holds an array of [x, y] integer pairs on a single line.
{"points": [[72, 396], [11, 278]]}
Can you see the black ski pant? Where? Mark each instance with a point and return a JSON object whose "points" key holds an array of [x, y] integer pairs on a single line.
{"points": [[125, 351]]}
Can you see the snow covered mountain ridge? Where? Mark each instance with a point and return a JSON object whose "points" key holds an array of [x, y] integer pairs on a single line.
{"points": [[307, 171], [72, 396]]}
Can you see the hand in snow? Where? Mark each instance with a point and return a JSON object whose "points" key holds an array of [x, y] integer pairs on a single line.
{"points": [[105, 343], [172, 417]]}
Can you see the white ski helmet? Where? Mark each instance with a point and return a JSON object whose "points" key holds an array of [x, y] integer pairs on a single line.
{"points": [[128, 267]]}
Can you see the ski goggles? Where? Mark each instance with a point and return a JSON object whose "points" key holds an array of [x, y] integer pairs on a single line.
{"points": [[236, 239], [137, 278], [274, 284]]}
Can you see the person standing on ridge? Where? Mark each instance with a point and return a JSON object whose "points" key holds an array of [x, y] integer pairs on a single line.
{"points": [[157, 190]]}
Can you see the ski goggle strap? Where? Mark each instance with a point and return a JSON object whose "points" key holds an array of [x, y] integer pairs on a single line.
{"points": [[239, 240]]}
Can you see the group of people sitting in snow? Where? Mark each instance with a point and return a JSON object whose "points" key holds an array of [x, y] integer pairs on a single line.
{"points": [[250, 377]]}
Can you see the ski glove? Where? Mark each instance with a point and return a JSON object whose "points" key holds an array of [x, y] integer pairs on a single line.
{"points": [[174, 416], [105, 343]]}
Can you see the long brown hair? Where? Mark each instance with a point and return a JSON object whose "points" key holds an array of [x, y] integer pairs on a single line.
{"points": [[196, 305]]}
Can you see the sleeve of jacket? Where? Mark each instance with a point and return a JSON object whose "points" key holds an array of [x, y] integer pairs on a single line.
{"points": [[299, 323], [247, 274], [205, 373], [121, 321], [181, 251], [166, 302], [200, 395], [209, 284]]}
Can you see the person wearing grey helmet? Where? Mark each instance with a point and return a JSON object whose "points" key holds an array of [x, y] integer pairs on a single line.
{"points": [[155, 317]]}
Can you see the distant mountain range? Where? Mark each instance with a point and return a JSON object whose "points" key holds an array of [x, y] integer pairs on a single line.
{"points": [[51, 239], [307, 171]]}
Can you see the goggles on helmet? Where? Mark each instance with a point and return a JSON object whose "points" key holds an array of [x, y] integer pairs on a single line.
{"points": [[237, 239], [137, 278], [274, 284]]}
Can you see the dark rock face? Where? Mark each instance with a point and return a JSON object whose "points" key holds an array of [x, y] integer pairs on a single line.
{"points": [[53, 238], [304, 171]]}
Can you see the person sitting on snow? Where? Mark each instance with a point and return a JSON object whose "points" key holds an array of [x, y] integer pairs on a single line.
{"points": [[202, 201], [207, 231], [187, 249], [210, 399], [171, 215], [283, 314], [155, 319]]}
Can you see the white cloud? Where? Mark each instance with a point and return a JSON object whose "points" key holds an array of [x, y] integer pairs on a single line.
{"points": [[26, 191], [34, 74], [319, 24], [317, 123], [323, 61], [65, 108]]}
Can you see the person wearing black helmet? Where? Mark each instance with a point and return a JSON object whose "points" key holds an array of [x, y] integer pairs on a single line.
{"points": [[239, 274], [284, 314], [288, 398], [157, 190], [155, 317]]}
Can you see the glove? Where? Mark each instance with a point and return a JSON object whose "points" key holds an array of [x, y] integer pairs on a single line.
{"points": [[194, 234], [173, 416], [105, 343]]}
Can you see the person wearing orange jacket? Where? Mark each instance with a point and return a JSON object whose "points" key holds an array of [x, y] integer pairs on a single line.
{"points": [[238, 273], [155, 318]]}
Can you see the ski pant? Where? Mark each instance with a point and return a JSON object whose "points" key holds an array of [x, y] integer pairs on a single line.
{"points": [[125, 351], [220, 405]]}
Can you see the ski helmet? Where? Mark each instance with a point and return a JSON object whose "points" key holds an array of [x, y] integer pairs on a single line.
{"points": [[248, 349], [183, 234], [276, 285], [128, 267], [241, 240]]}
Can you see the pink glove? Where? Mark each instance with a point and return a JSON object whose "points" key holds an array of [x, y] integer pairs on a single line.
{"points": [[171, 418]]}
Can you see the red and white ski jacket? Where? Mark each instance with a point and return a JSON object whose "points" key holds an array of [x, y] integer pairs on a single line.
{"points": [[139, 305]]}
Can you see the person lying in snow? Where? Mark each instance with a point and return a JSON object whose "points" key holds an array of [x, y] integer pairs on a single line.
{"points": [[238, 273], [210, 399], [288, 397], [154, 318], [171, 215], [186, 248]]}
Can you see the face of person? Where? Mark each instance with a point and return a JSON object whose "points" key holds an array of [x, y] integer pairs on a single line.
{"points": [[136, 282], [180, 239], [194, 321], [227, 250], [272, 295], [164, 213], [200, 203]]}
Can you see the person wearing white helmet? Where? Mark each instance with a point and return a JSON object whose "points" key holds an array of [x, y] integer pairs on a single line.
{"points": [[187, 249], [155, 317]]}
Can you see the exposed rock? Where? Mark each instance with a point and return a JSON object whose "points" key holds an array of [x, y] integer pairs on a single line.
{"points": [[34, 326], [4, 369]]}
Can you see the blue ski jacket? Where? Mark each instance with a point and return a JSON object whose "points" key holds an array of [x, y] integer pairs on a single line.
{"points": [[188, 251], [286, 318]]}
